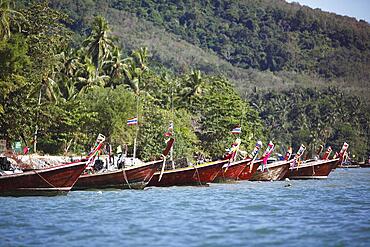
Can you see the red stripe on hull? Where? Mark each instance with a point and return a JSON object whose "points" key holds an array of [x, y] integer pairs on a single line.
{"points": [[137, 177], [248, 172], [49, 181], [312, 170], [204, 174], [275, 171]]}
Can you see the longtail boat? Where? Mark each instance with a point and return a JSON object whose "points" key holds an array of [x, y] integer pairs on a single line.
{"points": [[53, 180], [343, 155], [135, 177], [365, 165], [315, 169], [249, 169], [319, 169], [230, 172], [232, 169], [201, 174], [272, 172], [132, 177], [252, 163], [49, 181]]}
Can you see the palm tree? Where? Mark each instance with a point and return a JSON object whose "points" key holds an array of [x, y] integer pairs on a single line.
{"points": [[132, 75], [134, 69], [5, 18], [99, 43], [87, 76], [141, 58], [114, 67], [194, 83]]}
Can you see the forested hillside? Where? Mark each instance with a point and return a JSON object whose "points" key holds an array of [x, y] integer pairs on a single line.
{"points": [[241, 38], [72, 69]]}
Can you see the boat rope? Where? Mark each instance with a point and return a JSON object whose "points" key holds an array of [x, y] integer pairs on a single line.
{"points": [[125, 177], [251, 166], [313, 170], [225, 170], [51, 185], [196, 171]]}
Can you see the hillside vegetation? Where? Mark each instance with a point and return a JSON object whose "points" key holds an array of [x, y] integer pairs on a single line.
{"points": [[263, 43]]}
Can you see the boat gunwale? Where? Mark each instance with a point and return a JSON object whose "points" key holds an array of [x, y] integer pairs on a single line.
{"points": [[277, 163], [41, 171], [188, 168], [121, 170], [314, 163], [235, 163]]}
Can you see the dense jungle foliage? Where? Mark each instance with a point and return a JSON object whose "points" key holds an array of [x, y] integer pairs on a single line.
{"points": [[69, 75], [68, 92], [265, 35]]}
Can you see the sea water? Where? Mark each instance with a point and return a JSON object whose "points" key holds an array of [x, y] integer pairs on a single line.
{"points": [[331, 212]]}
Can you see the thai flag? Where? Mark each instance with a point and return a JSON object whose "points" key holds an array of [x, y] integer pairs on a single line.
{"points": [[132, 121], [236, 130]]}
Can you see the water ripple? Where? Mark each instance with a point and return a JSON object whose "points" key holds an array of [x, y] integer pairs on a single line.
{"points": [[332, 212]]}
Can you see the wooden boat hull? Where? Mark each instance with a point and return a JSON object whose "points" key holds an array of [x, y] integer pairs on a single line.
{"points": [[348, 166], [189, 176], [136, 177], [44, 182], [275, 171], [319, 169], [232, 172], [365, 165], [249, 170]]}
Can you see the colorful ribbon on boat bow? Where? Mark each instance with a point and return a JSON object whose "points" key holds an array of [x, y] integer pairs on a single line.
{"points": [[266, 154], [288, 153], [231, 152], [254, 154], [327, 153], [298, 155], [256, 150], [343, 152], [95, 150]]}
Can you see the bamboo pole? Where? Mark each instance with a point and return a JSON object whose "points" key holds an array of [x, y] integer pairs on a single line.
{"points": [[37, 126]]}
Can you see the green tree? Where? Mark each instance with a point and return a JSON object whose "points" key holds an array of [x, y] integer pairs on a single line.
{"points": [[217, 110], [114, 68], [98, 44], [6, 17]]}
